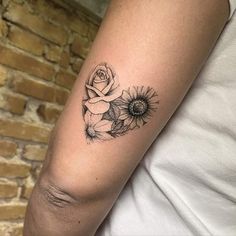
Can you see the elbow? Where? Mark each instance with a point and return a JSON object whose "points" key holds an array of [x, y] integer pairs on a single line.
{"points": [[77, 177], [49, 210], [54, 196], [53, 210]]}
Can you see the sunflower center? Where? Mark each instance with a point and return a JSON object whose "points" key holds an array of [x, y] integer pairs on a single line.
{"points": [[91, 132], [138, 107]]}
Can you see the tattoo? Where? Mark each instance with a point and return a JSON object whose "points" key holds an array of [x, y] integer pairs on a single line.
{"points": [[109, 112]]}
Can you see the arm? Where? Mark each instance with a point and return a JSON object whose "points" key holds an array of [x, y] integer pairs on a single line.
{"points": [[158, 47]]}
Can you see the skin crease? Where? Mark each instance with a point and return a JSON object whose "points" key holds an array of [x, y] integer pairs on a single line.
{"points": [[157, 44]]}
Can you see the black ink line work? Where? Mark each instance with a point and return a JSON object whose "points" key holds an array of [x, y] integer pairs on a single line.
{"points": [[109, 112]]}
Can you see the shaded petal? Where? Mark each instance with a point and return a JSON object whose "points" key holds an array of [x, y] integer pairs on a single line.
{"points": [[87, 117], [133, 124], [97, 108], [124, 106], [91, 93], [128, 121], [123, 116], [113, 96], [133, 92], [116, 83], [104, 136], [140, 122], [109, 72], [101, 66], [90, 81], [126, 96], [105, 98], [120, 102], [124, 110], [95, 118], [150, 93], [103, 126], [145, 120]]}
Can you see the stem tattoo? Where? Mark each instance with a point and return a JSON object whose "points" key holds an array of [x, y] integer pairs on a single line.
{"points": [[110, 112]]}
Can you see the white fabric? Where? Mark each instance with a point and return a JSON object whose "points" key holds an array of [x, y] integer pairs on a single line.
{"points": [[232, 4], [186, 184]]}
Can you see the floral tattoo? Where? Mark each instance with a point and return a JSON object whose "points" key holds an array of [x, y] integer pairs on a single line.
{"points": [[109, 112]]}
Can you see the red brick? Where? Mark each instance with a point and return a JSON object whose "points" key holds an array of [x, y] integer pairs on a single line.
{"points": [[26, 40], [65, 59], [14, 103], [3, 76], [25, 131], [36, 172], [33, 88], [27, 189], [81, 46], [48, 113], [12, 170], [79, 25], [39, 90], [53, 53], [34, 152], [20, 15], [11, 229], [61, 96], [12, 211], [27, 192], [7, 148], [65, 79], [8, 189], [50, 10], [76, 66], [25, 63], [3, 28], [16, 230]]}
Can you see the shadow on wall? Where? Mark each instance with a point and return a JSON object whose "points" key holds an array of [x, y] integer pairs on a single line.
{"points": [[98, 7], [42, 47]]}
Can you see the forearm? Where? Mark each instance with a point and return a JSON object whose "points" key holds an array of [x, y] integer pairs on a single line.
{"points": [[157, 45]]}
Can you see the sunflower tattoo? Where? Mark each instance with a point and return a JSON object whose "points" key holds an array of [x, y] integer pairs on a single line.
{"points": [[109, 112]]}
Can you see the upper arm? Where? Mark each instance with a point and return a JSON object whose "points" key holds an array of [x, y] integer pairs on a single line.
{"points": [[152, 51]]}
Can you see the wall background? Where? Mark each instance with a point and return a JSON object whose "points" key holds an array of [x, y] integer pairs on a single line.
{"points": [[42, 47]]}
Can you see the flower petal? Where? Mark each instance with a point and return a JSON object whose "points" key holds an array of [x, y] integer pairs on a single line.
{"points": [[105, 98], [95, 118], [104, 136], [126, 96], [87, 118], [91, 93], [140, 122], [150, 93], [92, 119], [109, 73], [103, 126], [123, 116], [116, 83], [133, 124], [128, 121], [133, 92], [97, 108], [101, 66]]}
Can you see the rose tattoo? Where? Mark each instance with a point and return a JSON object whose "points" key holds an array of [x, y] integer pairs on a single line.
{"points": [[109, 112], [102, 89]]}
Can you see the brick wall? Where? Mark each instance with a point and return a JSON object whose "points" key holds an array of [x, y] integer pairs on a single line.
{"points": [[42, 47]]}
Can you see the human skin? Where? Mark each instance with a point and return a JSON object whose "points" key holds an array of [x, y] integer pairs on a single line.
{"points": [[152, 43]]}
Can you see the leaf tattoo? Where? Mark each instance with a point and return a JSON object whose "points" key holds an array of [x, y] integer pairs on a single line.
{"points": [[109, 112]]}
